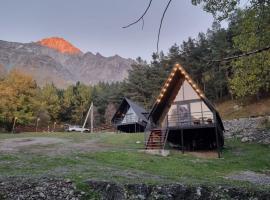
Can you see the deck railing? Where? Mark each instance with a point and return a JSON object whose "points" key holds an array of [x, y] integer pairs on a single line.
{"points": [[190, 119], [126, 120]]}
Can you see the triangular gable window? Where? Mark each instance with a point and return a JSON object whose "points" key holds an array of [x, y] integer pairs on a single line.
{"points": [[130, 116]]}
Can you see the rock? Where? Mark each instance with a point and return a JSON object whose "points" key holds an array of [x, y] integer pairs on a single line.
{"points": [[42, 195], [174, 191], [23, 188], [247, 130], [245, 139]]}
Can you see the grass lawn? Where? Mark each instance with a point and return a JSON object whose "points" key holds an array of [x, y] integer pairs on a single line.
{"points": [[115, 157]]}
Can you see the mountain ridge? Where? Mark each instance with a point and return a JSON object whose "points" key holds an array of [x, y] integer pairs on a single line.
{"points": [[62, 66]]}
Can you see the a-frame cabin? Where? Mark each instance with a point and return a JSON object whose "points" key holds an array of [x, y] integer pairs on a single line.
{"points": [[130, 117], [183, 117]]}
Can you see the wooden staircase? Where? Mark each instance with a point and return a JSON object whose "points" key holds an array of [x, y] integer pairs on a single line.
{"points": [[156, 139]]}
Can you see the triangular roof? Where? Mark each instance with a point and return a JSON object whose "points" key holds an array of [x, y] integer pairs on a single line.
{"points": [[140, 111], [170, 89]]}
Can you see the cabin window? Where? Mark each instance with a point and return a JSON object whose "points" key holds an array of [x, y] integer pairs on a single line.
{"points": [[130, 116]]}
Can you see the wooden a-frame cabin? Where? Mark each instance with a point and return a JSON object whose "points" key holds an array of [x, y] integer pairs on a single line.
{"points": [[130, 117], [183, 117]]}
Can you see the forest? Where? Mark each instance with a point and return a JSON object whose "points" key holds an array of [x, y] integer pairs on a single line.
{"points": [[227, 63]]}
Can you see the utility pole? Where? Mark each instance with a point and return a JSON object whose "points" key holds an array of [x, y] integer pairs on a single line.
{"points": [[91, 116]]}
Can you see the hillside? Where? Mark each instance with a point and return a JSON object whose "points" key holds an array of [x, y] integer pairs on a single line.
{"points": [[58, 61], [233, 109]]}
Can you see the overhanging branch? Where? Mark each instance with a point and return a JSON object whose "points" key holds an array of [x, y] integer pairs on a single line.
{"points": [[141, 18], [161, 21]]}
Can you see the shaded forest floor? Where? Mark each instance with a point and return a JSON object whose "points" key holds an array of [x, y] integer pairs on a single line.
{"points": [[117, 157], [233, 109]]}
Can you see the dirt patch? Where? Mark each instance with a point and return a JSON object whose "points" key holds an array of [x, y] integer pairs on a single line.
{"points": [[252, 177], [14, 145], [48, 145], [203, 154]]}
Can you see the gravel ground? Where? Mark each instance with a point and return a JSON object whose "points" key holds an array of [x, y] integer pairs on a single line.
{"points": [[256, 178], [20, 188]]}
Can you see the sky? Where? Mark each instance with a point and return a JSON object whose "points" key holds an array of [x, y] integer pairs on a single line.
{"points": [[96, 25]]}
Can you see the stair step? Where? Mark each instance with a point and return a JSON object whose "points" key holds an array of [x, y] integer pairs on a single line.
{"points": [[156, 139]]}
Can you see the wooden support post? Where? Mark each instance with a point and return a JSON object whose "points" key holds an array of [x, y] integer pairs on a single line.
{"points": [[37, 124], [217, 138], [14, 124], [182, 140]]}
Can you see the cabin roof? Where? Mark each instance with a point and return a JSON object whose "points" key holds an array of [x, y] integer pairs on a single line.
{"points": [[139, 111], [169, 91]]}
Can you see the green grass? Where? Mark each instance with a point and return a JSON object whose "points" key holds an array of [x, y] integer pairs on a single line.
{"points": [[122, 162]]}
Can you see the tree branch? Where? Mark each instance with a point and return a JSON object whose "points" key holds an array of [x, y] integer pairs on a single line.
{"points": [[161, 21], [141, 18], [267, 48]]}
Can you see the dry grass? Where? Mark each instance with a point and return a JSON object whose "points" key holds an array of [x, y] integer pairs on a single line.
{"points": [[233, 109]]}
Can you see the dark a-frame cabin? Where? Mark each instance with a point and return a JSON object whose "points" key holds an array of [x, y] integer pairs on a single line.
{"points": [[183, 117], [130, 117]]}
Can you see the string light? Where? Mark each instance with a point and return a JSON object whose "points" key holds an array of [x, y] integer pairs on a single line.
{"points": [[167, 84]]}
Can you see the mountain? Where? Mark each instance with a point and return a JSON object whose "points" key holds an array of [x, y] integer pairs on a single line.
{"points": [[58, 61], [60, 45]]}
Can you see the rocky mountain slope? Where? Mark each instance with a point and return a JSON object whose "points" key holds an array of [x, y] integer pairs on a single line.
{"points": [[56, 60]]}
